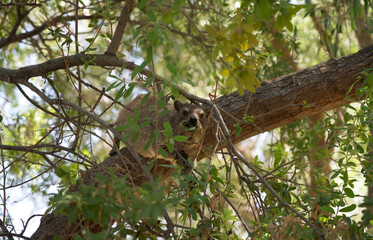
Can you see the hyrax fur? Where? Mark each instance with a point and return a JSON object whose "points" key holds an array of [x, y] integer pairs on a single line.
{"points": [[185, 119]]}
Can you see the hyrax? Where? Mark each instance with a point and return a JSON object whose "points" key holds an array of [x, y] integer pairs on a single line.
{"points": [[185, 119]]}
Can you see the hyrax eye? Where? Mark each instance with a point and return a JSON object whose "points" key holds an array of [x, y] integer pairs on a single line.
{"points": [[185, 112], [201, 116]]}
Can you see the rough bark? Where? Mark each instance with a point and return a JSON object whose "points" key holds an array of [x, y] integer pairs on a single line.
{"points": [[276, 103], [284, 100]]}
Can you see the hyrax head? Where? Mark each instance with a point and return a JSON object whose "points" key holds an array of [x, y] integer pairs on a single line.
{"points": [[189, 115]]}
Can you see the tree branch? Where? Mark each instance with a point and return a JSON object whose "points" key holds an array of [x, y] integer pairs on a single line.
{"points": [[40, 70], [276, 103], [122, 22], [19, 37], [284, 100]]}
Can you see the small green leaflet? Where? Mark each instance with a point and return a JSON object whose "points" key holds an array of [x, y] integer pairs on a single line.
{"points": [[172, 69], [349, 192], [163, 152], [180, 138], [145, 98], [119, 93], [349, 208], [168, 128], [136, 115], [129, 90], [138, 69], [152, 16]]}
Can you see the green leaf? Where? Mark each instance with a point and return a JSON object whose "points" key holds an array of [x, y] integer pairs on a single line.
{"points": [[352, 17], [349, 208], [120, 92], [215, 52], [129, 119], [161, 103], [168, 128], [150, 165], [160, 95], [149, 54], [349, 192], [180, 138], [137, 32], [177, 4], [336, 174], [248, 119], [121, 128], [327, 209], [73, 214], [142, 5], [188, 129], [193, 213], [170, 146], [156, 133], [152, 17], [61, 171], [60, 8], [225, 73], [135, 137], [129, 90], [186, 81], [359, 148], [237, 129], [174, 91], [171, 68], [127, 136], [144, 124], [278, 154], [164, 112], [138, 69], [145, 98], [153, 37], [136, 115], [163, 152], [147, 145]]}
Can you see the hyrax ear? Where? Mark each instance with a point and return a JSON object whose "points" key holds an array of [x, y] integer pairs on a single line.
{"points": [[207, 110], [177, 105]]}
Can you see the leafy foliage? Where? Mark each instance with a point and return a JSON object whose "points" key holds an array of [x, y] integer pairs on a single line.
{"points": [[60, 129]]}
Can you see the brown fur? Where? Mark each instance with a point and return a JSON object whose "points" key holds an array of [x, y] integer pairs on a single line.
{"points": [[185, 119]]}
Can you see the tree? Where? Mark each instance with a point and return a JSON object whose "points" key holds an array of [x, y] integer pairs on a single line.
{"points": [[167, 48]]}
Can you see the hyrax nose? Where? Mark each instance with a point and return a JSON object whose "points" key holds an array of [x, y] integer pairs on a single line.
{"points": [[193, 120]]}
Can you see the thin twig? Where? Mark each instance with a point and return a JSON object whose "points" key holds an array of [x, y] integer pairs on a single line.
{"points": [[233, 151]]}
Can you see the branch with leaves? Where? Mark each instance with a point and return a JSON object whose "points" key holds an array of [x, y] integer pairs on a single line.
{"points": [[124, 189]]}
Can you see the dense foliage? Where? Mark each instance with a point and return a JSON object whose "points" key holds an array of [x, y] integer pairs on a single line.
{"points": [[56, 125]]}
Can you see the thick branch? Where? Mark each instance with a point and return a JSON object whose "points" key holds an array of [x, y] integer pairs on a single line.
{"points": [[277, 103], [39, 70], [286, 99], [122, 22]]}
